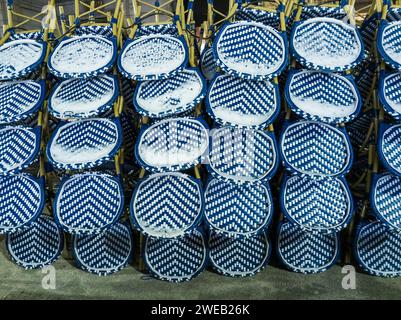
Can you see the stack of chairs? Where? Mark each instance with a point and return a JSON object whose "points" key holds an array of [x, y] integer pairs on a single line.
{"points": [[33, 239], [377, 236], [167, 203], [243, 100], [321, 95], [86, 150]]}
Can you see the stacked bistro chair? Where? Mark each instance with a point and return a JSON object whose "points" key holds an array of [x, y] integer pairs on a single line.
{"points": [[33, 239], [250, 51], [321, 95], [377, 237], [86, 148], [167, 203]]}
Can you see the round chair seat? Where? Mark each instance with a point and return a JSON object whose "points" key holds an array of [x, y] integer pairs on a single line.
{"points": [[389, 43], [390, 94], [207, 64], [167, 205], [37, 246], [389, 147]]}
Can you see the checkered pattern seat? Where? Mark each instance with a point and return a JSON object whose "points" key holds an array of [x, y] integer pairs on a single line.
{"points": [[88, 203], [389, 147], [172, 144], [37, 246], [315, 149], [250, 50], [390, 93], [83, 56], [167, 205], [326, 44], [83, 98], [22, 199], [19, 58], [238, 257], [105, 253], [241, 102], [306, 252], [377, 249], [237, 210], [242, 155], [316, 205], [320, 96], [176, 95], [84, 144], [176, 260], [389, 43]]}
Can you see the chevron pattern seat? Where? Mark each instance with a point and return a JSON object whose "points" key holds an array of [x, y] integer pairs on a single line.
{"points": [[388, 147], [167, 205], [238, 257], [207, 64], [241, 102], [315, 149], [88, 203], [172, 144], [20, 99], [377, 249], [160, 29], [82, 56], [19, 147], [386, 200], [37, 246], [237, 210], [320, 96], [19, 58], [306, 252], [176, 260], [390, 94], [22, 199], [250, 50], [389, 43], [316, 205], [105, 31], [105, 253], [178, 94], [153, 57], [36, 35], [84, 144], [83, 98], [268, 18], [242, 154], [326, 44]]}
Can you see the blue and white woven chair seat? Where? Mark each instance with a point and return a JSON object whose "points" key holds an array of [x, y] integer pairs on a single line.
{"points": [[19, 148], [20, 99], [359, 129], [389, 43], [167, 205], [207, 64], [172, 96], [241, 102], [242, 155], [326, 44], [84, 144], [316, 205], [22, 198], [390, 94], [386, 200], [237, 210], [37, 246], [104, 253], [36, 35], [250, 50], [320, 96], [105, 31], [172, 144], [389, 147], [153, 57], [83, 56], [238, 257], [88, 203], [19, 58], [268, 18], [161, 29], [316, 149], [83, 98], [306, 252], [176, 260], [377, 249]]}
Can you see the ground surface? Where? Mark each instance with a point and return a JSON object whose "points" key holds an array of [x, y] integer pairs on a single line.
{"points": [[271, 283]]}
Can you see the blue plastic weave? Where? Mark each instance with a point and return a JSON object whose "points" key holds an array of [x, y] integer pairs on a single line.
{"points": [[105, 31], [390, 93], [207, 64], [389, 43], [389, 147], [268, 18]]}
